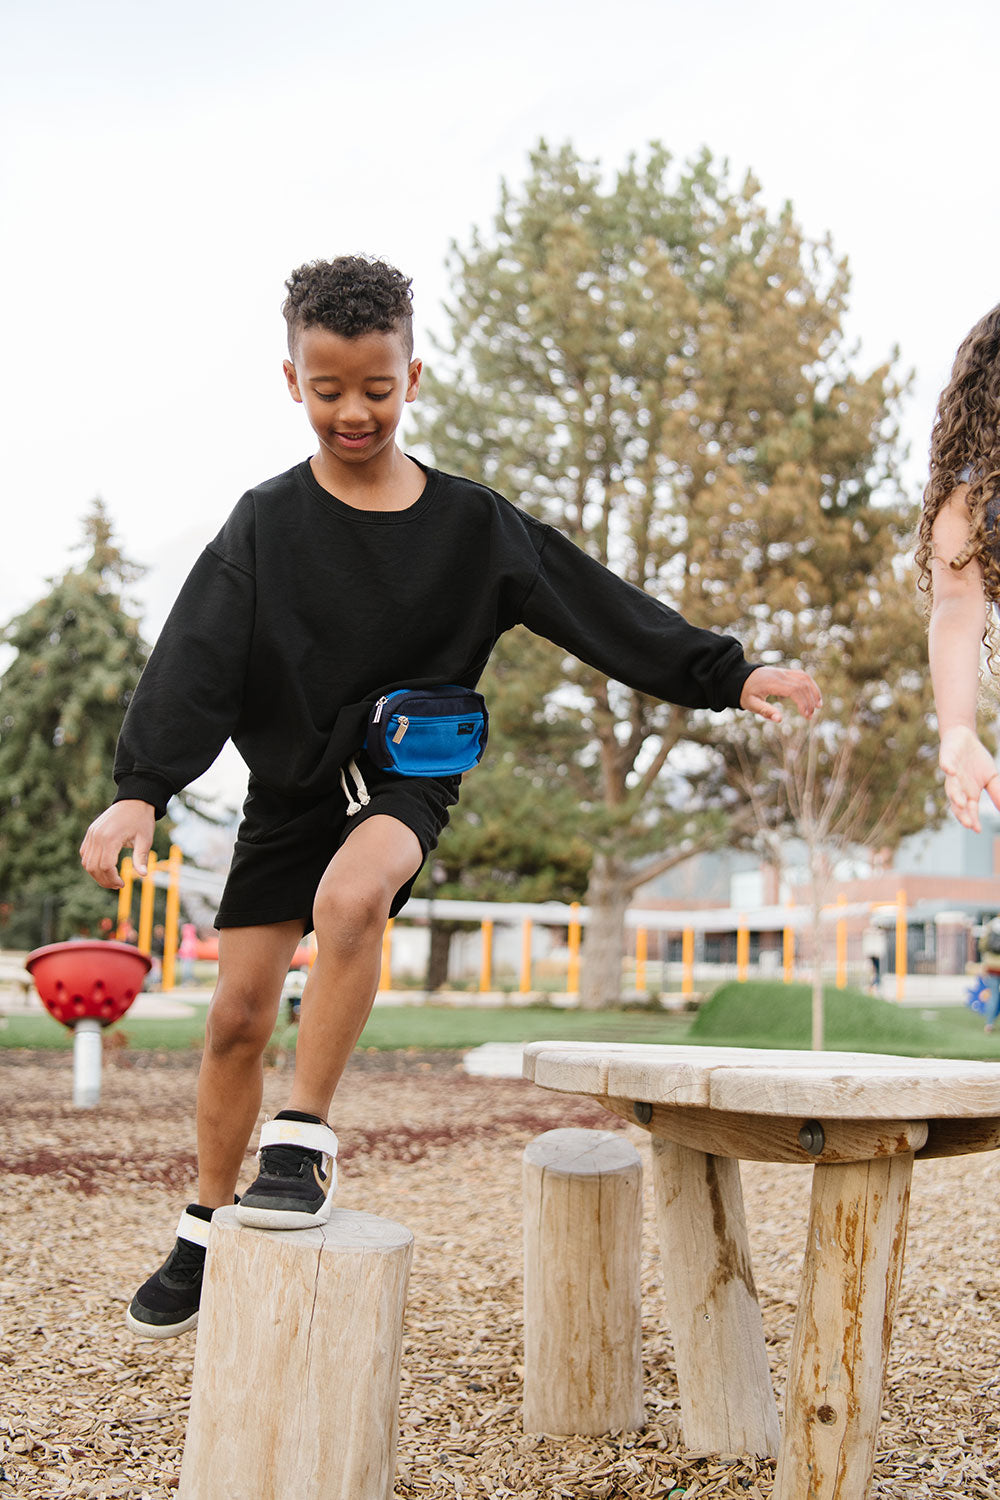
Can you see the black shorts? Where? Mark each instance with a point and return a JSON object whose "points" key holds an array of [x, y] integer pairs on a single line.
{"points": [[284, 844]]}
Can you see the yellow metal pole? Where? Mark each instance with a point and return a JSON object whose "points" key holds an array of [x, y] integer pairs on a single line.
{"points": [[788, 950], [641, 947], [687, 958], [486, 960], [172, 919], [841, 945], [573, 976], [146, 901], [385, 974], [525, 985], [900, 944], [125, 899], [742, 949]]}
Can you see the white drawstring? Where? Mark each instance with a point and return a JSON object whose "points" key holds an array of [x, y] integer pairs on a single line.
{"points": [[360, 790]]}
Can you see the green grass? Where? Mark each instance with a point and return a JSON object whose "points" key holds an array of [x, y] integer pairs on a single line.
{"points": [[756, 1013], [429, 1028], [768, 1013]]}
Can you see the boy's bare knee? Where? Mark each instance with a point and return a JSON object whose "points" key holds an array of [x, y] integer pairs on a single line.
{"points": [[349, 916], [238, 1021]]}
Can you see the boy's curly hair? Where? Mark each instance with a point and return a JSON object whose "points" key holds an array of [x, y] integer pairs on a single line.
{"points": [[966, 434], [350, 296]]}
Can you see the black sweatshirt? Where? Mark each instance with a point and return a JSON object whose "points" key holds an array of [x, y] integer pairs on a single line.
{"points": [[303, 610]]}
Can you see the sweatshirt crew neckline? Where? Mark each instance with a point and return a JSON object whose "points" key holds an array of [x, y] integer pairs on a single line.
{"points": [[370, 517]]}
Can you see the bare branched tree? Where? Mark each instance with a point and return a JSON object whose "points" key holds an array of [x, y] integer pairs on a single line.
{"points": [[827, 796]]}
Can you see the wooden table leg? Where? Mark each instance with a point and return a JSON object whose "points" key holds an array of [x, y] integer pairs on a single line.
{"points": [[727, 1400], [850, 1281]]}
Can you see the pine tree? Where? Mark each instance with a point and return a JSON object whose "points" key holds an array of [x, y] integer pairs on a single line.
{"points": [[656, 364], [79, 651]]}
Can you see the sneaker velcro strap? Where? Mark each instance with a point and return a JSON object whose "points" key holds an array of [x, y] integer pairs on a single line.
{"points": [[299, 1133], [193, 1229]]}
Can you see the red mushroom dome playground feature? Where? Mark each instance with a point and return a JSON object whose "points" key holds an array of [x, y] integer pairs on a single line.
{"points": [[87, 985]]}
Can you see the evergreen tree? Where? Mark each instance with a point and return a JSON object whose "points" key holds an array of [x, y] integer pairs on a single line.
{"points": [[657, 365], [79, 652]]}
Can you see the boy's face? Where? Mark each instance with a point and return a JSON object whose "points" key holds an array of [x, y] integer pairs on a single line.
{"points": [[353, 390]]}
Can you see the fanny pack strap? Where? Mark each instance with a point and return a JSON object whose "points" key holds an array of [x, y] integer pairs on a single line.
{"points": [[359, 798]]}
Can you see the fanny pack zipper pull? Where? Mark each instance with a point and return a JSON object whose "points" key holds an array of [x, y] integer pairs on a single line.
{"points": [[404, 725], [378, 710]]}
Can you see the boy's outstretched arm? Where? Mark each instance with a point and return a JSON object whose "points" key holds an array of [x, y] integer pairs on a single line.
{"points": [[124, 825], [780, 682]]}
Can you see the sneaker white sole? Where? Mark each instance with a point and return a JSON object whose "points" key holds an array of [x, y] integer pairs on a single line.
{"points": [[283, 1218], [158, 1331]]}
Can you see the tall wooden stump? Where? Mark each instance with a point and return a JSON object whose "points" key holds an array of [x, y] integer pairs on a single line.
{"points": [[727, 1400], [296, 1373], [582, 1299]]}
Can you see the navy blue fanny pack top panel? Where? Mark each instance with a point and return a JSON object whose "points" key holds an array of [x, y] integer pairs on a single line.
{"points": [[438, 731]]}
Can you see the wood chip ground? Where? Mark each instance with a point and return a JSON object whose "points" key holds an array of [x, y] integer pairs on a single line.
{"points": [[90, 1200]]}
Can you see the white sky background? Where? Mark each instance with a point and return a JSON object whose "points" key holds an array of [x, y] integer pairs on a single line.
{"points": [[162, 169]]}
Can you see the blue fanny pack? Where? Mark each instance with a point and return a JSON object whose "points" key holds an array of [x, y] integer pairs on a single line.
{"points": [[438, 731]]}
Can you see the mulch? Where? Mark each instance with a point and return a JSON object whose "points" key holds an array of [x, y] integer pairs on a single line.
{"points": [[90, 1203]]}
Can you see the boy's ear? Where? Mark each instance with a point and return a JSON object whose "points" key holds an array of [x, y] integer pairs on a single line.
{"points": [[412, 379], [292, 379]]}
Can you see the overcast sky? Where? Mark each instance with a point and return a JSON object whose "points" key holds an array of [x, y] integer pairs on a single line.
{"points": [[164, 168]]}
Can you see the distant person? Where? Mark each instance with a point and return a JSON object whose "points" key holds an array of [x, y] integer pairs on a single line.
{"points": [[958, 557], [358, 572], [187, 952], [873, 948], [989, 954]]}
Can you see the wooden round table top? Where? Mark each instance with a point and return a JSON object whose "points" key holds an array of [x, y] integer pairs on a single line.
{"points": [[835, 1085]]}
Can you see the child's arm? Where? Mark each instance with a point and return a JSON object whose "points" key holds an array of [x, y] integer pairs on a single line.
{"points": [[958, 618], [125, 825]]}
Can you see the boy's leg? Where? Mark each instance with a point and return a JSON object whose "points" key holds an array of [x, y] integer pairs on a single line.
{"points": [[253, 963], [297, 1177], [350, 912]]}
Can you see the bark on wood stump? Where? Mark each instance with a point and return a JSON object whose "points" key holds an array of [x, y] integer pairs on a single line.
{"points": [[296, 1373], [727, 1400], [840, 1346], [582, 1298]]}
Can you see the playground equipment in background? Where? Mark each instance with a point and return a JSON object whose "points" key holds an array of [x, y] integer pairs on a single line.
{"points": [[790, 921], [87, 985], [168, 872]]}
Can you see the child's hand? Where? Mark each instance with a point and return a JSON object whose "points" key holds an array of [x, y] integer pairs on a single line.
{"points": [[780, 682], [125, 825], [968, 771]]}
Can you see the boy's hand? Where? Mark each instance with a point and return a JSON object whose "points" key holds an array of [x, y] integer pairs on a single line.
{"points": [[780, 682], [125, 825], [969, 771]]}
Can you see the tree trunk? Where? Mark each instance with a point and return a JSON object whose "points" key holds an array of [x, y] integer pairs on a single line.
{"points": [[817, 985], [608, 897], [438, 955]]}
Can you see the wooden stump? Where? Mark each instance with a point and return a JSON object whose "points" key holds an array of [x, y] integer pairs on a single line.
{"points": [[582, 1297], [727, 1400], [296, 1373], [836, 1370]]}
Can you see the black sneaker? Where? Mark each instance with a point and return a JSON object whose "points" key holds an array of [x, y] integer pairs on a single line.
{"points": [[298, 1174], [167, 1304]]}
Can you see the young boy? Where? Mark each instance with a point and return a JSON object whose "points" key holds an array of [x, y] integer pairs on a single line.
{"points": [[356, 572]]}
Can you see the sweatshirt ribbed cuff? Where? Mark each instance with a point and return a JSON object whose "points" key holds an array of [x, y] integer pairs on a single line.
{"points": [[731, 685], [145, 788]]}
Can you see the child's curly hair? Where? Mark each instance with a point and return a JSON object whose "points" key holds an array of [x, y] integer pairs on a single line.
{"points": [[350, 296], [966, 435]]}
